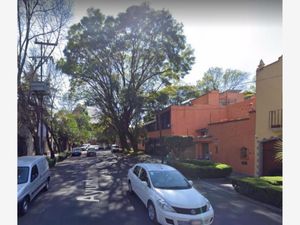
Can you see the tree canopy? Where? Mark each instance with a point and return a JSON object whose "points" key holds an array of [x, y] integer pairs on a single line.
{"points": [[217, 79], [118, 60]]}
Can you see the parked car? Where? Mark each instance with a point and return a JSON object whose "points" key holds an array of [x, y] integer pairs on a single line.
{"points": [[91, 152], [84, 147], [115, 148], [76, 152], [33, 176], [169, 197]]}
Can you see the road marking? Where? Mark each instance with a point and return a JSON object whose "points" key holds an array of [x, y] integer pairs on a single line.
{"points": [[91, 191], [90, 198]]}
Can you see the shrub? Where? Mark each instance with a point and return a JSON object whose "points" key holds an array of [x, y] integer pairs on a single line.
{"points": [[202, 169], [62, 156], [259, 189], [51, 162], [275, 180]]}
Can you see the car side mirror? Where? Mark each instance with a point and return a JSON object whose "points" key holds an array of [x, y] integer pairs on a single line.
{"points": [[190, 182]]}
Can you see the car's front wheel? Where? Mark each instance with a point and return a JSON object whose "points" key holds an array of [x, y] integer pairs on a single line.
{"points": [[130, 187], [46, 188], [24, 206], [152, 212]]}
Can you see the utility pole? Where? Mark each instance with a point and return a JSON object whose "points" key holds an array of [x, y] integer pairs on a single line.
{"points": [[41, 89]]}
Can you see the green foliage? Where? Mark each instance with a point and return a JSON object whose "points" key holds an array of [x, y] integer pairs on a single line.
{"points": [[274, 180], [248, 94], [62, 156], [260, 189], [51, 162], [202, 168], [119, 60], [278, 149], [217, 79], [177, 144], [72, 127]]}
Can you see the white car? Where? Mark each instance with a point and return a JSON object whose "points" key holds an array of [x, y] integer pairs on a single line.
{"points": [[33, 176], [115, 148], [169, 197]]}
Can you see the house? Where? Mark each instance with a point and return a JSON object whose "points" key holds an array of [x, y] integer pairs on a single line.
{"points": [[230, 138], [268, 116], [185, 120]]}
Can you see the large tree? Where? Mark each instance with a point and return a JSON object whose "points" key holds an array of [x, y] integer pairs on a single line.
{"points": [[72, 127], [217, 79], [120, 59]]}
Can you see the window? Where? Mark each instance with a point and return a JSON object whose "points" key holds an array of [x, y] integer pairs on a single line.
{"points": [[217, 150], [23, 174], [244, 153], [171, 180], [275, 118], [143, 175], [34, 173], [136, 170]]}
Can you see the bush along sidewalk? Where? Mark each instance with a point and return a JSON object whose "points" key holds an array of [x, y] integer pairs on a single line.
{"points": [[264, 189], [61, 156], [51, 162], [202, 168]]}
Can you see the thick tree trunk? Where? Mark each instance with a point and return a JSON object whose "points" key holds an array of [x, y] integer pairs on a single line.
{"points": [[133, 141], [50, 146], [123, 140]]}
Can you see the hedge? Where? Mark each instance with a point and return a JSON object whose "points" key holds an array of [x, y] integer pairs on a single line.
{"points": [[62, 156], [51, 162], [201, 169], [260, 189]]}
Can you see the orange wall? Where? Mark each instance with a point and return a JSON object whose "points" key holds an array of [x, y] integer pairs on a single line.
{"points": [[232, 97], [185, 120], [201, 100], [230, 138], [233, 111], [211, 98], [241, 109]]}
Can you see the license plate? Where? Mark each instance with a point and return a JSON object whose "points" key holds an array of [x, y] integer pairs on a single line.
{"points": [[195, 222]]}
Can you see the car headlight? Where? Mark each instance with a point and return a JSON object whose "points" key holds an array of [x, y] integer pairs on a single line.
{"points": [[208, 205], [164, 205]]}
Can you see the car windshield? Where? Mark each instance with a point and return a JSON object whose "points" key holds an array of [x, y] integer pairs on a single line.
{"points": [[23, 172], [170, 179]]}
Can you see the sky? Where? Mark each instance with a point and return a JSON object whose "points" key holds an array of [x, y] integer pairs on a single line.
{"points": [[234, 34]]}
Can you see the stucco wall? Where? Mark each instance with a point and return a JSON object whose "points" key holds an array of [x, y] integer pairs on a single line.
{"points": [[230, 137], [187, 120], [269, 96]]}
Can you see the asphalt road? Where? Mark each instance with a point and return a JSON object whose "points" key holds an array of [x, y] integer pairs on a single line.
{"points": [[90, 191]]}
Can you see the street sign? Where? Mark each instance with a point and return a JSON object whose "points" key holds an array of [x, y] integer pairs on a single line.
{"points": [[39, 87]]}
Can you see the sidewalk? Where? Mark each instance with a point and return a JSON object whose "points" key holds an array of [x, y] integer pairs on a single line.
{"points": [[224, 184]]}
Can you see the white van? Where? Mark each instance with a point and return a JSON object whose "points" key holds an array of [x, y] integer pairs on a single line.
{"points": [[33, 176]]}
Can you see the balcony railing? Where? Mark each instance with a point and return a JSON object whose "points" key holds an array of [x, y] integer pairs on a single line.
{"points": [[275, 118]]}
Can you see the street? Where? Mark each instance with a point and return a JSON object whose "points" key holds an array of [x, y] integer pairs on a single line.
{"points": [[93, 190]]}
